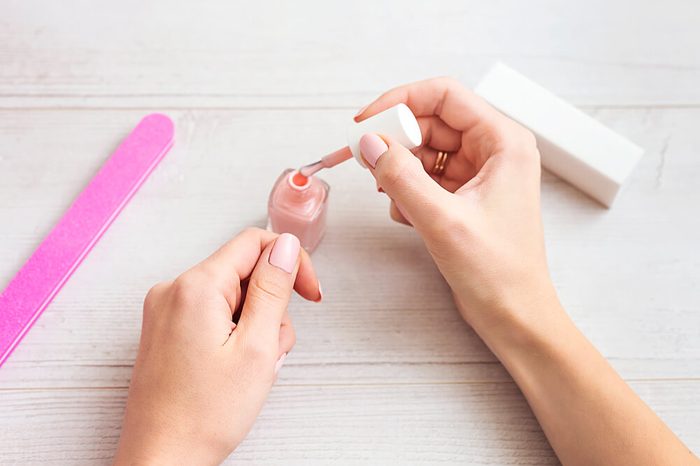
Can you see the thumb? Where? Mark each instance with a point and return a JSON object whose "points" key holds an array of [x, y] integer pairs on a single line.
{"points": [[401, 175], [269, 290]]}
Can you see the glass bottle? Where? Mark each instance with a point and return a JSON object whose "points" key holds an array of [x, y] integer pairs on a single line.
{"points": [[298, 205]]}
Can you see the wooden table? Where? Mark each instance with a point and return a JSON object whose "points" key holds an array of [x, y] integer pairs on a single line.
{"points": [[384, 370]]}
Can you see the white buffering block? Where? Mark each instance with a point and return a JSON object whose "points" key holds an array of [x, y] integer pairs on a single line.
{"points": [[572, 145]]}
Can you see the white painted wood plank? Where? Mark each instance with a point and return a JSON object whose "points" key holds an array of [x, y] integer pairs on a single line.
{"points": [[479, 423], [315, 53], [628, 276]]}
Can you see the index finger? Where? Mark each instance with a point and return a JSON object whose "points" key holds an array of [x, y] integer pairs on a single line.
{"points": [[446, 98]]}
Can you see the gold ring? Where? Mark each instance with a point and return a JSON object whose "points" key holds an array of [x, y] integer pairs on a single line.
{"points": [[440, 163]]}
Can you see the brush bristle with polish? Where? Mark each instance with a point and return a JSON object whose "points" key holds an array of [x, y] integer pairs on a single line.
{"points": [[311, 169]]}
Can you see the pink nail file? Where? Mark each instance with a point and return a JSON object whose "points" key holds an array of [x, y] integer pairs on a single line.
{"points": [[53, 262]]}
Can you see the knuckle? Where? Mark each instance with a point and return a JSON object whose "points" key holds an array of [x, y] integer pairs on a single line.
{"points": [[182, 285], [448, 82], [154, 300], [524, 137], [190, 287], [155, 293], [519, 142], [397, 169], [528, 137], [535, 159], [268, 290], [519, 135], [257, 352], [252, 231], [528, 148]]}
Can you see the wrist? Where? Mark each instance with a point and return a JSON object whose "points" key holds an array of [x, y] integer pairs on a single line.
{"points": [[130, 458], [154, 452], [521, 321]]}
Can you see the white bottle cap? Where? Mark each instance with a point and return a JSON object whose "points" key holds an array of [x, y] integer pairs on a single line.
{"points": [[397, 122]]}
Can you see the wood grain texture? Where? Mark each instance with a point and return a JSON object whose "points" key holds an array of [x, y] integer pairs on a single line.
{"points": [[315, 53], [384, 371], [399, 330], [462, 423]]}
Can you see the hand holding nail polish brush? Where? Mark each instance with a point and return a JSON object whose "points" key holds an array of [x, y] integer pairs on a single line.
{"points": [[397, 122]]}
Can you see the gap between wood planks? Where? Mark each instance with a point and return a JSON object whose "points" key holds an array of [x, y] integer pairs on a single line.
{"points": [[340, 385], [70, 105]]}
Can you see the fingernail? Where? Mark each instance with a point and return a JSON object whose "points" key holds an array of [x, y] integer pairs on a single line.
{"points": [[379, 188], [285, 252], [372, 147], [320, 293], [360, 111], [280, 362]]}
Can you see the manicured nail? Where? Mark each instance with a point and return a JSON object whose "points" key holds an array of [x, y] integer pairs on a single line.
{"points": [[360, 111], [280, 362], [372, 147], [320, 293], [285, 252], [379, 188]]}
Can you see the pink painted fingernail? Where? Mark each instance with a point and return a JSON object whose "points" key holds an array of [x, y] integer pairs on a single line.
{"points": [[360, 111], [280, 362], [285, 252], [372, 147]]}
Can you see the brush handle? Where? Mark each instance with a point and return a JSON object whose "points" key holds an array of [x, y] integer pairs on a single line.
{"points": [[337, 157], [42, 276]]}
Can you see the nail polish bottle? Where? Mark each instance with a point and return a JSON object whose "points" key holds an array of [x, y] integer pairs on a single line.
{"points": [[298, 205]]}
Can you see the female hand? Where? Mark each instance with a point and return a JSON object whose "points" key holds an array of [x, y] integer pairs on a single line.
{"points": [[200, 380], [480, 219]]}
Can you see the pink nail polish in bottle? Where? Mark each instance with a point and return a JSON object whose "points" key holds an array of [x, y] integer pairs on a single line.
{"points": [[298, 202], [298, 205]]}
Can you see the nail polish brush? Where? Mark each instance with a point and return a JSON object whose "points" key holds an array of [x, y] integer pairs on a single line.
{"points": [[397, 122], [328, 161]]}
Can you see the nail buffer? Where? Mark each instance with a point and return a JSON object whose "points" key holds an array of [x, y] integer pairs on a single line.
{"points": [[57, 257], [573, 145]]}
